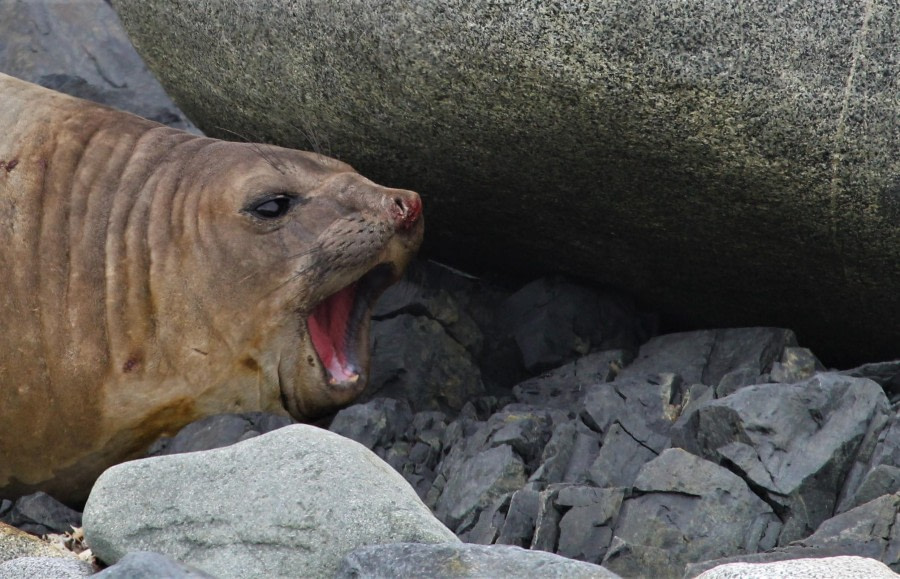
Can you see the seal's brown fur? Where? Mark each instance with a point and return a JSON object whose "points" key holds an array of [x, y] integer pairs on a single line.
{"points": [[147, 283]]}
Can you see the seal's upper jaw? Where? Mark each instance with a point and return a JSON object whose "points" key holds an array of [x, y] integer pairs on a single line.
{"points": [[337, 326]]}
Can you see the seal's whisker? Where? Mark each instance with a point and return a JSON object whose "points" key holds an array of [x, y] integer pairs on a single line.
{"points": [[272, 161], [314, 140]]}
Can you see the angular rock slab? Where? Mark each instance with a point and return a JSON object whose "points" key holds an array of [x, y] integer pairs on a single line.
{"points": [[824, 568], [870, 531], [799, 444], [463, 561], [80, 48], [687, 509], [296, 498], [731, 163]]}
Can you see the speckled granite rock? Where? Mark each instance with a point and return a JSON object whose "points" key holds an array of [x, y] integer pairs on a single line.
{"points": [[39, 567], [729, 163], [824, 568]]}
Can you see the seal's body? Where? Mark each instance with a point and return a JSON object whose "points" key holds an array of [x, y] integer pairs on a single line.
{"points": [[151, 277]]}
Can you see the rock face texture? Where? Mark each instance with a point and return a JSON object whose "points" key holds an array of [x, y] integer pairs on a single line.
{"points": [[729, 164]]}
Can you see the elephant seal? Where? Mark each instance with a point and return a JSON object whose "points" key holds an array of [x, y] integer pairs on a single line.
{"points": [[152, 277]]}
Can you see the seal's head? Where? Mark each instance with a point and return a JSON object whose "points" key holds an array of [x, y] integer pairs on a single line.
{"points": [[303, 246], [154, 277]]}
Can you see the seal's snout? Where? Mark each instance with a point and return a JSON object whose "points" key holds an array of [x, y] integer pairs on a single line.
{"points": [[406, 209]]}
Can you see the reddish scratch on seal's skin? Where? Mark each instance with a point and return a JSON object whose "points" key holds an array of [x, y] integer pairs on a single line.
{"points": [[9, 165]]}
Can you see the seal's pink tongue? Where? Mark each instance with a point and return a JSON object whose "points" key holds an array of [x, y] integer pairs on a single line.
{"points": [[328, 330]]}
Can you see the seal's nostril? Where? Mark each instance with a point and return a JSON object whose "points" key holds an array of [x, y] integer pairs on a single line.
{"points": [[407, 209]]}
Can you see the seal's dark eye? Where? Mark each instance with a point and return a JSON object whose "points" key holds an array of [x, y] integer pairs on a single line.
{"points": [[272, 208]]}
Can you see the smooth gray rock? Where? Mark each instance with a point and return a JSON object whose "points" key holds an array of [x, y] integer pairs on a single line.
{"points": [[463, 561], [686, 509], [80, 48], [728, 163], [40, 567], [147, 565], [802, 445], [303, 496], [824, 568]]}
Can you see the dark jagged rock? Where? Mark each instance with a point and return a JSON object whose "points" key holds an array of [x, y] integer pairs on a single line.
{"points": [[882, 480], [797, 445], [552, 321], [40, 514], [796, 364], [556, 459], [686, 509], [565, 387], [620, 459], [588, 520], [376, 423], [708, 356], [477, 482], [490, 521], [887, 374], [521, 518], [415, 359], [463, 561], [869, 530], [437, 304], [218, 431]]}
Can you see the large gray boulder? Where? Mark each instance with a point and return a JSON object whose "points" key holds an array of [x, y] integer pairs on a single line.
{"points": [[298, 498], [732, 163]]}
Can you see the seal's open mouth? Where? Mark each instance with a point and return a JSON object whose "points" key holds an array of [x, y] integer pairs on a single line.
{"points": [[339, 326]]}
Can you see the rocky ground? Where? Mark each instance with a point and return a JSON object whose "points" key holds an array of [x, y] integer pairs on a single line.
{"points": [[549, 418]]}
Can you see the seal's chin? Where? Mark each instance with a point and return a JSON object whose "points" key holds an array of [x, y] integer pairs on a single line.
{"points": [[339, 328]]}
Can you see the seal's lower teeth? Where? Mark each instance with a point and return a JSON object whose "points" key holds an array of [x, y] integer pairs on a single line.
{"points": [[350, 379]]}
